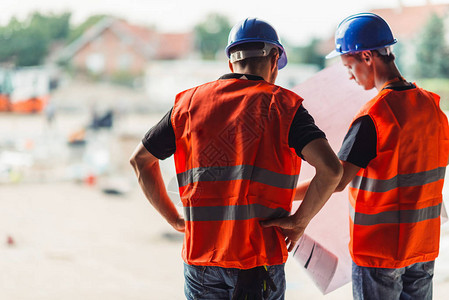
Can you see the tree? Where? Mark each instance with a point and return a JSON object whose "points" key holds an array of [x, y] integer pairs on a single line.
{"points": [[30, 46], [212, 35], [307, 54], [26, 43], [432, 51], [56, 27]]}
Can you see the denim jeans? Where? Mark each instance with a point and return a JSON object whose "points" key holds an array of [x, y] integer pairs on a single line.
{"points": [[202, 282], [411, 282]]}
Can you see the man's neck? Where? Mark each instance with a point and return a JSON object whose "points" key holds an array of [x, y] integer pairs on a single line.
{"points": [[388, 74], [265, 73]]}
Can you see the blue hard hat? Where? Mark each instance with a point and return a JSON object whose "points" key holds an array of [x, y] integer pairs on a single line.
{"points": [[360, 32], [253, 30]]}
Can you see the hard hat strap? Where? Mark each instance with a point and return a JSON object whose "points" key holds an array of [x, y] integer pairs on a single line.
{"points": [[385, 51], [242, 54]]}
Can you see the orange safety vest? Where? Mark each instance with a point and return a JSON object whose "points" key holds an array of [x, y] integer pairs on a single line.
{"points": [[234, 168], [395, 202]]}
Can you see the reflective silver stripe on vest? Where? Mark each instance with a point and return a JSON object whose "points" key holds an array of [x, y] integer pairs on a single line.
{"points": [[233, 212], [395, 217], [238, 173], [403, 180]]}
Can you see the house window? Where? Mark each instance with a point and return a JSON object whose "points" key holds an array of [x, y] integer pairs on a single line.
{"points": [[95, 63], [124, 62]]}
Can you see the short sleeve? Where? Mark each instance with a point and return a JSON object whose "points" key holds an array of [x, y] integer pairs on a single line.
{"points": [[359, 146], [160, 139], [303, 130]]}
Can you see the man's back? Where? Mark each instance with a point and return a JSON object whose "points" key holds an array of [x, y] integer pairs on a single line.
{"points": [[237, 176], [234, 168], [399, 193]]}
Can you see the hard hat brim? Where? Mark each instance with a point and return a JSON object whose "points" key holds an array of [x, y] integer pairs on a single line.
{"points": [[282, 62], [336, 53], [333, 54]]}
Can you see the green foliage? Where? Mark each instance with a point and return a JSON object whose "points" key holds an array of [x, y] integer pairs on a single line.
{"points": [[212, 35], [399, 53], [26, 43], [432, 50], [31, 46], [307, 54], [56, 27], [439, 86], [124, 78]]}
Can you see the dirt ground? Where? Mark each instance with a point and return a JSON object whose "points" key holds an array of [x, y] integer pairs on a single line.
{"points": [[75, 242], [62, 237]]}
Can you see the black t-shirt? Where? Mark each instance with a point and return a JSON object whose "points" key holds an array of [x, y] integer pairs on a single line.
{"points": [[359, 146], [160, 139]]}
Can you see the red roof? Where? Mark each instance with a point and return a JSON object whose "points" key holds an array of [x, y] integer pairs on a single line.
{"points": [[406, 22], [141, 33], [174, 45], [165, 45], [150, 43]]}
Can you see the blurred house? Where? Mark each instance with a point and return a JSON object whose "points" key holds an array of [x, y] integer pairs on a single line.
{"points": [[113, 46], [407, 23]]}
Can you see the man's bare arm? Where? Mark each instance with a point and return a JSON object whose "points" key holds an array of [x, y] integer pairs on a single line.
{"points": [[320, 155], [148, 172], [349, 172], [301, 189]]}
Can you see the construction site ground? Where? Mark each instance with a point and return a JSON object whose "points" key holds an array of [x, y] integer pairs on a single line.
{"points": [[74, 230]]}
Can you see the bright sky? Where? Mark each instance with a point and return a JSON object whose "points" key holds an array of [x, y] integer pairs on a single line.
{"points": [[295, 20]]}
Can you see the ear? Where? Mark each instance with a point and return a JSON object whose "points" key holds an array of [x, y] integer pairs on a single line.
{"points": [[231, 67], [367, 57]]}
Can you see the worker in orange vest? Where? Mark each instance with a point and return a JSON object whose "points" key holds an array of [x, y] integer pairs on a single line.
{"points": [[237, 144], [394, 158]]}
